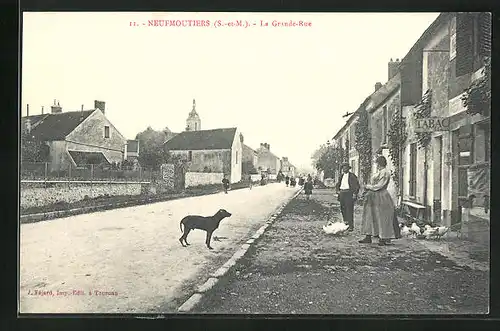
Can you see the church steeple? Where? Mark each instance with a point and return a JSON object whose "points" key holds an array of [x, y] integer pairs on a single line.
{"points": [[193, 122]]}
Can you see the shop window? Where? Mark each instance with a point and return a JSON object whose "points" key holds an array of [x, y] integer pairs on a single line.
{"points": [[190, 156]]}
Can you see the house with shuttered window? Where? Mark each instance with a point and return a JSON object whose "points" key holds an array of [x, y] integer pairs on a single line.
{"points": [[439, 179], [76, 138]]}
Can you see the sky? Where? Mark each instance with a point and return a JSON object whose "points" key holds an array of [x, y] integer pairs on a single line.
{"points": [[287, 86]]}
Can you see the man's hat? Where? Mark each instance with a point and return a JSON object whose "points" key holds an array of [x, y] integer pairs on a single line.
{"points": [[345, 164]]}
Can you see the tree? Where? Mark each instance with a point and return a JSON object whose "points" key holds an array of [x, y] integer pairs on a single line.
{"points": [[152, 153], [330, 160], [32, 149], [248, 168], [363, 145]]}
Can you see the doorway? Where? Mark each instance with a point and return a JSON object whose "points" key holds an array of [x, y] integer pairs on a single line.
{"points": [[462, 141], [437, 182]]}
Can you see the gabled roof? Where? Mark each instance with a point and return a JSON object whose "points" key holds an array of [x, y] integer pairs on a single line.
{"points": [[202, 140], [35, 119], [380, 96], [50, 127], [265, 150], [248, 148], [351, 119]]}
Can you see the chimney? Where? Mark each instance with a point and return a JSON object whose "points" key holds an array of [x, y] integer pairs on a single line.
{"points": [[42, 110], [56, 108], [27, 110], [378, 85], [393, 68], [241, 138], [100, 104], [82, 107]]}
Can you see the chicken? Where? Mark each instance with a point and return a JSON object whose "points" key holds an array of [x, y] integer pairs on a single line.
{"points": [[405, 231], [335, 228], [441, 231], [414, 229], [429, 232]]}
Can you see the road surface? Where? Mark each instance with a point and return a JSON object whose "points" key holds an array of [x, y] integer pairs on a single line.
{"points": [[129, 260], [295, 268]]}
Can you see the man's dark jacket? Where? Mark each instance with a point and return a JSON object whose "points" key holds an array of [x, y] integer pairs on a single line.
{"points": [[353, 183]]}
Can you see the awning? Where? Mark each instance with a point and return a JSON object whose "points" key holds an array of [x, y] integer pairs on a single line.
{"points": [[84, 158]]}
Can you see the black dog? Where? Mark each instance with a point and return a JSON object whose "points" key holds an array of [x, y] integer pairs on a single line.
{"points": [[208, 224]]}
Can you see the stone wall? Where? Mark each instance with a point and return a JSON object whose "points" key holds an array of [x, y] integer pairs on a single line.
{"points": [[37, 194], [203, 178]]}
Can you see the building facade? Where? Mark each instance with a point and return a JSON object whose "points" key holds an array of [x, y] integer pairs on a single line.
{"points": [[287, 168], [267, 161], [216, 150], [249, 159], [77, 138], [455, 164]]}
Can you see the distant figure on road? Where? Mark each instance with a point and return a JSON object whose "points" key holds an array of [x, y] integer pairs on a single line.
{"points": [[280, 177], [308, 187], [379, 218], [301, 180], [263, 179], [225, 183], [287, 180], [250, 183], [347, 189], [292, 182]]}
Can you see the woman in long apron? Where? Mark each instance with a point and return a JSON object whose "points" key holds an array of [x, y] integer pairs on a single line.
{"points": [[379, 218]]}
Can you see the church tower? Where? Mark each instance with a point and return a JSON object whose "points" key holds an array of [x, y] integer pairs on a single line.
{"points": [[193, 122]]}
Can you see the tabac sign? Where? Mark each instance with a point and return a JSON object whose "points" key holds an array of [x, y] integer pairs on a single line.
{"points": [[431, 124]]}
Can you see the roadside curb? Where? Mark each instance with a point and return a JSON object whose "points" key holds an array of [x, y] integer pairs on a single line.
{"points": [[215, 277], [39, 217]]}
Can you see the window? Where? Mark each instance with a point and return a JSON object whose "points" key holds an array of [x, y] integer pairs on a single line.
{"points": [[413, 170], [106, 131], [385, 124], [464, 44], [453, 38], [190, 156], [481, 143], [195, 126], [484, 26], [236, 157]]}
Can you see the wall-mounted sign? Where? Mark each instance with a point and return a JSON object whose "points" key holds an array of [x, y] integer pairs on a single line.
{"points": [[432, 124]]}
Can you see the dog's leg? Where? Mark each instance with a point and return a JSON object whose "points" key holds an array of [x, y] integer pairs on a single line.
{"points": [[209, 236], [183, 238], [185, 235]]}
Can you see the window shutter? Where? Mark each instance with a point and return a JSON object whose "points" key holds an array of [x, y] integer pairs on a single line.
{"points": [[485, 34], [464, 58]]}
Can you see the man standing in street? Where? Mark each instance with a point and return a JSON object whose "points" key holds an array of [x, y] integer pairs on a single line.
{"points": [[225, 184], [347, 190]]}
